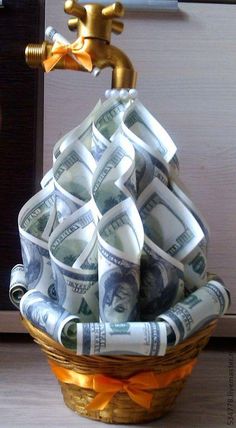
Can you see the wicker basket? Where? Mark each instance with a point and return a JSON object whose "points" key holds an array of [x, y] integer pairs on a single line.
{"points": [[122, 409]]}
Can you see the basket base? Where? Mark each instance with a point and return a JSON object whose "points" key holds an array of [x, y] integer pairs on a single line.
{"points": [[122, 410]]}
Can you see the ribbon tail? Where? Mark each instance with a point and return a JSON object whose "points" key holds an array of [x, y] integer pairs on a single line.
{"points": [[100, 401], [85, 60], [50, 63], [142, 398]]}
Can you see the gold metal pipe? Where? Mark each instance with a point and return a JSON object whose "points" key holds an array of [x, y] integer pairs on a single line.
{"points": [[102, 54], [94, 23]]}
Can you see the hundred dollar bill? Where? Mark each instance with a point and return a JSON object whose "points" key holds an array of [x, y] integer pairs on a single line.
{"points": [[35, 214], [197, 310], [33, 219], [179, 191], [72, 236], [80, 134], [148, 162], [174, 166], [167, 222], [141, 122], [131, 338], [73, 252], [195, 268], [73, 172], [196, 262], [106, 121], [49, 317], [18, 285], [114, 178], [162, 283], [47, 179], [120, 242], [37, 266]]}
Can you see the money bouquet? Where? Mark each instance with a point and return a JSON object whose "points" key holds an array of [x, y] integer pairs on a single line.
{"points": [[115, 263]]}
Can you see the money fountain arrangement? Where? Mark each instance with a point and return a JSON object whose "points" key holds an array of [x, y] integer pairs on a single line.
{"points": [[114, 251]]}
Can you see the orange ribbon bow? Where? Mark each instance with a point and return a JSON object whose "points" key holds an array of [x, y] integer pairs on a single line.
{"points": [[59, 51], [136, 386]]}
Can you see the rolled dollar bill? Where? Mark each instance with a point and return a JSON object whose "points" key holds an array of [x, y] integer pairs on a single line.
{"points": [[120, 242], [106, 121], [80, 134], [148, 162], [73, 252], [114, 170], [18, 285], [50, 318], [167, 222], [141, 122], [33, 220], [197, 310], [162, 282], [73, 172], [142, 338]]}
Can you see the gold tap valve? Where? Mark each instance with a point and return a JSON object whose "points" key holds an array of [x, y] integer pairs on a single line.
{"points": [[94, 24]]}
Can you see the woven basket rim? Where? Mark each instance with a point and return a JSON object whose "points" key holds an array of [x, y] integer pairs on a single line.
{"points": [[41, 337]]}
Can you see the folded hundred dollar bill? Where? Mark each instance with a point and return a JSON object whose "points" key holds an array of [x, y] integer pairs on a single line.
{"points": [[149, 163], [120, 242], [141, 122], [73, 173], [106, 121], [162, 281], [80, 134], [73, 252], [195, 264], [167, 222], [114, 178], [35, 221]]}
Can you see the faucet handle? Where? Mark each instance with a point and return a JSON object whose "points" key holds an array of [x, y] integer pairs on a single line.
{"points": [[73, 8], [117, 27], [115, 10], [73, 24]]}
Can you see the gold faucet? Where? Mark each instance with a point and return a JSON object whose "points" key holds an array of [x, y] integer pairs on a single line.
{"points": [[94, 23]]}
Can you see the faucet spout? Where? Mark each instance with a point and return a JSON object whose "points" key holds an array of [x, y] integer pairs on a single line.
{"points": [[123, 73]]}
